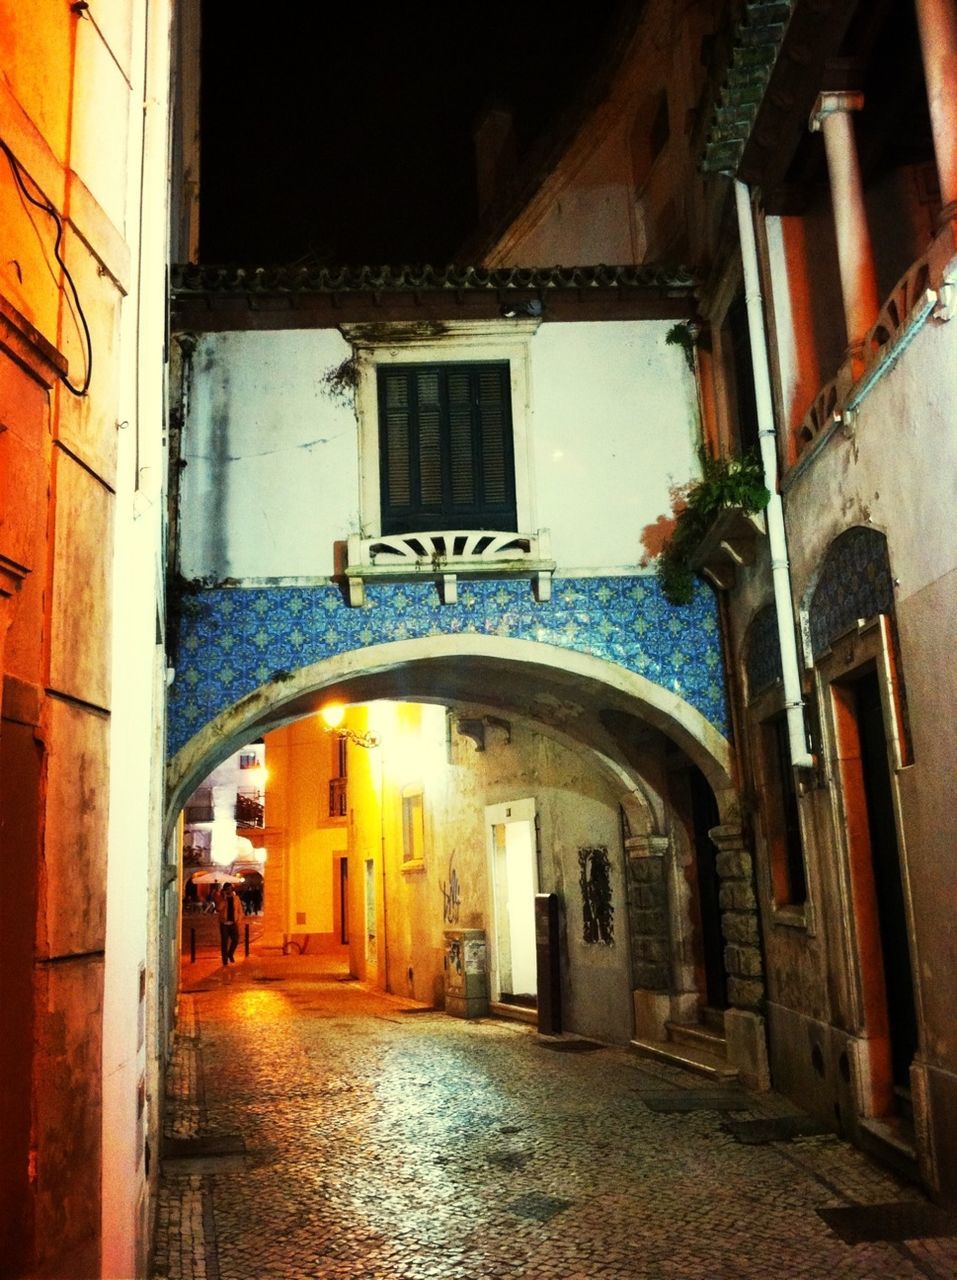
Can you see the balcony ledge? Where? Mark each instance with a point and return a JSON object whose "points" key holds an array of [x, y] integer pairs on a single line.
{"points": [[730, 543], [444, 556]]}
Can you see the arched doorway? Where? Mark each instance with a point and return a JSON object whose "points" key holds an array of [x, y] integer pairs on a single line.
{"points": [[614, 735]]}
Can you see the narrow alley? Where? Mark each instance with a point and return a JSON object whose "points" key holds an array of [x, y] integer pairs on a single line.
{"points": [[316, 1128]]}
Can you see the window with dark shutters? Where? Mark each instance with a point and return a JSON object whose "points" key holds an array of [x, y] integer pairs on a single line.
{"points": [[445, 440]]}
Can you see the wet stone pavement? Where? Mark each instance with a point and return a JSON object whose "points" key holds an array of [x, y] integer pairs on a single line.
{"points": [[317, 1129]]}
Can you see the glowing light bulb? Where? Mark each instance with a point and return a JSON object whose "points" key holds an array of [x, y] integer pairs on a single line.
{"points": [[333, 715]]}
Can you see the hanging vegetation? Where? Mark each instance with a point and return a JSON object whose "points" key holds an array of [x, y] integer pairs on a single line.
{"points": [[725, 483]]}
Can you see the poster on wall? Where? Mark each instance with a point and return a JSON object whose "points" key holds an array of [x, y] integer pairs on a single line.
{"points": [[598, 912], [476, 955]]}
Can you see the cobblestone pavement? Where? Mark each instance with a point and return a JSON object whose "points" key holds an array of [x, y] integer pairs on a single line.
{"points": [[317, 1129]]}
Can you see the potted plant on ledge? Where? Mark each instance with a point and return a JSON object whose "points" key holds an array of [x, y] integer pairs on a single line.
{"points": [[716, 528]]}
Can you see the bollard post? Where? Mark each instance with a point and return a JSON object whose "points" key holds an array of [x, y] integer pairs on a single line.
{"points": [[192, 944], [246, 939]]}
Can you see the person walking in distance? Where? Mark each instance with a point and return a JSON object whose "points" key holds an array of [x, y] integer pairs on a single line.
{"points": [[230, 912]]}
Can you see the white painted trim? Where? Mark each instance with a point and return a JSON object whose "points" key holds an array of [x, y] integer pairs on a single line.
{"points": [[497, 815], [510, 811], [456, 341], [801, 757]]}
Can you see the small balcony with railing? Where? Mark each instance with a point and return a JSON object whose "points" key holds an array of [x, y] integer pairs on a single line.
{"points": [[927, 289], [199, 809], [338, 798], [445, 556], [250, 809]]}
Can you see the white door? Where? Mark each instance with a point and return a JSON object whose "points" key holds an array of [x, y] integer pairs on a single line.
{"points": [[514, 876]]}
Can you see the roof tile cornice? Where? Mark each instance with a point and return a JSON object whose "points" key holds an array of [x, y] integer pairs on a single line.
{"points": [[754, 48], [192, 280]]}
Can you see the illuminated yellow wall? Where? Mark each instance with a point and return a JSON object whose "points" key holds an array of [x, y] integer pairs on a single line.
{"points": [[304, 842]]}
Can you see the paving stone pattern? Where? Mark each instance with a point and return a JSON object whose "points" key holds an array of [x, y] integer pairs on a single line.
{"points": [[380, 1146]]}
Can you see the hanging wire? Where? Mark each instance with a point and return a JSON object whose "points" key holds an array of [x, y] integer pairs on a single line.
{"points": [[44, 205]]}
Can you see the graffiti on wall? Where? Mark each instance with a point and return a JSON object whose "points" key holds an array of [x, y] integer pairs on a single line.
{"points": [[451, 895], [597, 910]]}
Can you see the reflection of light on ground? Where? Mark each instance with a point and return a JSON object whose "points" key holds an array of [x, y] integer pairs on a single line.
{"points": [[255, 1005], [420, 1100]]}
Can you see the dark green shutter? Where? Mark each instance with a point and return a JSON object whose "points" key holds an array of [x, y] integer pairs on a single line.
{"points": [[446, 447]]}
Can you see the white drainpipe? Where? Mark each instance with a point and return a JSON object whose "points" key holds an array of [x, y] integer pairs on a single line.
{"points": [[801, 758]]}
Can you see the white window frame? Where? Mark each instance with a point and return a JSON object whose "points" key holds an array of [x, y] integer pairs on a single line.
{"points": [[451, 342], [413, 819]]}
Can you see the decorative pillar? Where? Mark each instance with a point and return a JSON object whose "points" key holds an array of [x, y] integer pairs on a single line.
{"points": [[937, 24], [649, 934], [832, 117]]}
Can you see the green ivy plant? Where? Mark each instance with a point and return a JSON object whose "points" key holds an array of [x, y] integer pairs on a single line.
{"points": [[684, 335], [725, 482]]}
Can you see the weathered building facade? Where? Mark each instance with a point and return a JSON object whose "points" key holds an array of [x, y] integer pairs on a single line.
{"points": [[83, 170], [440, 488], [768, 854], [800, 157]]}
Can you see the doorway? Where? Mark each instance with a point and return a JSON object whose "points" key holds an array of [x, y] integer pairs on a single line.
{"points": [[704, 817], [342, 897], [881, 916], [514, 876]]}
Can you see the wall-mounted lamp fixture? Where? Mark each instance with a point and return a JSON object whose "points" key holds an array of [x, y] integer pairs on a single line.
{"points": [[332, 716], [533, 307]]}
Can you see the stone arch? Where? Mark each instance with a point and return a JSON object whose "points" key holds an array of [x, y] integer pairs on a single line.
{"points": [[581, 700], [562, 692]]}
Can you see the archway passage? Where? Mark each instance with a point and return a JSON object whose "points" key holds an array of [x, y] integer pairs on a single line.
{"points": [[597, 748], [232, 642], [627, 718]]}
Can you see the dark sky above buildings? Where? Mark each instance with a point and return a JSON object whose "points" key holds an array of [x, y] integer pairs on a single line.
{"points": [[345, 133]]}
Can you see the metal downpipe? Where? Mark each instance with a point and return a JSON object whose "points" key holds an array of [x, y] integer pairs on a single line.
{"points": [[801, 757]]}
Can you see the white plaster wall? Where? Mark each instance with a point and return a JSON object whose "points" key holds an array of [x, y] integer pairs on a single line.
{"points": [[271, 476], [133, 1036], [895, 471], [271, 480], [575, 807], [614, 426]]}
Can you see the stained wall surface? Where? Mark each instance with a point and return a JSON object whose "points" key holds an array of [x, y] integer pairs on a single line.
{"points": [[81, 371]]}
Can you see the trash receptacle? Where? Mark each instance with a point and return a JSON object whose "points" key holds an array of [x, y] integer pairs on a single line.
{"points": [[466, 973]]}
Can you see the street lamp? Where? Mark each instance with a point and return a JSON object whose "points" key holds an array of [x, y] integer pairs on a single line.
{"points": [[332, 716]]}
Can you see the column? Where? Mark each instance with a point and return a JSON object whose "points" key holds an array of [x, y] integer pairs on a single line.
{"points": [[832, 117], [648, 924], [744, 1024], [937, 24]]}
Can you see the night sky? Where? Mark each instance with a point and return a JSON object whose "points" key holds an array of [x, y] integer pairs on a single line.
{"points": [[345, 136]]}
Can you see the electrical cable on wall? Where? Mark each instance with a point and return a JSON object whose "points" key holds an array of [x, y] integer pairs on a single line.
{"points": [[45, 207]]}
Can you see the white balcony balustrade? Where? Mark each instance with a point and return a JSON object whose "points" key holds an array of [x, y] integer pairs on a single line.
{"points": [[444, 556]]}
